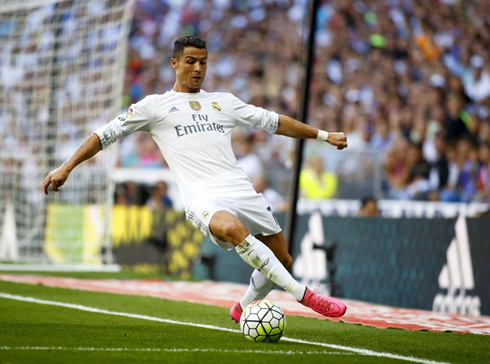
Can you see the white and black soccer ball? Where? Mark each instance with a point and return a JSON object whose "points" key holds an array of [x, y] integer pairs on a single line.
{"points": [[263, 321]]}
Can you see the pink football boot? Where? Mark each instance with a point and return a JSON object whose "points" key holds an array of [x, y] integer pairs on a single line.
{"points": [[236, 312], [326, 306]]}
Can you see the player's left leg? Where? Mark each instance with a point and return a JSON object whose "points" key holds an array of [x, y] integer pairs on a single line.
{"points": [[277, 243]]}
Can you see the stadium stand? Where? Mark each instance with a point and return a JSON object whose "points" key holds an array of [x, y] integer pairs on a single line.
{"points": [[408, 84]]}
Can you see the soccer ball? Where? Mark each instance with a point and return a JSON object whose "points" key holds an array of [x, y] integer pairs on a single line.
{"points": [[263, 321]]}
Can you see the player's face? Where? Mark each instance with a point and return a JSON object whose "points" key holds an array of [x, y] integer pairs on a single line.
{"points": [[190, 69]]}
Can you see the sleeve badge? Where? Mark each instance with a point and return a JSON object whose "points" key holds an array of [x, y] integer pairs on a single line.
{"points": [[129, 113]]}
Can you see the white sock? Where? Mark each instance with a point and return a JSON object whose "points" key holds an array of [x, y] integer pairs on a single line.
{"points": [[259, 287], [259, 256]]}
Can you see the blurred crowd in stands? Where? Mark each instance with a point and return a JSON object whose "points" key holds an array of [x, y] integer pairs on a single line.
{"points": [[408, 81], [154, 196]]}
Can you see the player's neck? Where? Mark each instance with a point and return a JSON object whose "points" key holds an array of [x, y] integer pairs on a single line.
{"points": [[181, 88]]}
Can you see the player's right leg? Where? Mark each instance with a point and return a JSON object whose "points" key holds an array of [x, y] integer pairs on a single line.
{"points": [[225, 226], [326, 306], [260, 286]]}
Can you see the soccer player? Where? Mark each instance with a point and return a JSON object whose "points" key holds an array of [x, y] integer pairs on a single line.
{"points": [[193, 130]]}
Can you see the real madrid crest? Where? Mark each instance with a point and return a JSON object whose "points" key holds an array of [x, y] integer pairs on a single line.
{"points": [[205, 214], [195, 105], [216, 107]]}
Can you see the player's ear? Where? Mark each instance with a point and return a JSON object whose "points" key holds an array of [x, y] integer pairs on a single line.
{"points": [[174, 62]]}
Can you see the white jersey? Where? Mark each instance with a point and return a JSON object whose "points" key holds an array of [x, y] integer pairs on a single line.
{"points": [[193, 131]]}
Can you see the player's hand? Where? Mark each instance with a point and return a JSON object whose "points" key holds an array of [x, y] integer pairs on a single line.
{"points": [[56, 178], [338, 140]]}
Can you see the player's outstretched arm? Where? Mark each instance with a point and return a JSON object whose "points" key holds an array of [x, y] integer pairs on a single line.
{"points": [[295, 129], [57, 178]]}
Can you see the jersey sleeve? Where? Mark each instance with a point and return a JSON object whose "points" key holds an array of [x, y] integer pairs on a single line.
{"points": [[253, 116], [138, 117]]}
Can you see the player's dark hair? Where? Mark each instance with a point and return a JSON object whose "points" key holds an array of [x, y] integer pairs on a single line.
{"points": [[187, 41]]}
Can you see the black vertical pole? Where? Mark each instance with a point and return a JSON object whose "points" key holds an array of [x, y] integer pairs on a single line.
{"points": [[307, 68]]}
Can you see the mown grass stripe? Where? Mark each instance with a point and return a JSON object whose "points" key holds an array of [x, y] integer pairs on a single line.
{"points": [[212, 327], [176, 350]]}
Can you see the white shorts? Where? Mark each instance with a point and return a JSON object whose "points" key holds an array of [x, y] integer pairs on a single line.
{"points": [[247, 206]]}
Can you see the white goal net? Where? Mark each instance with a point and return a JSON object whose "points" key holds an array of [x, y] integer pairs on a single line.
{"points": [[61, 77]]}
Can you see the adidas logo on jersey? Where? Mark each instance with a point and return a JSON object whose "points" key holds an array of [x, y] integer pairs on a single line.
{"points": [[457, 276], [173, 109]]}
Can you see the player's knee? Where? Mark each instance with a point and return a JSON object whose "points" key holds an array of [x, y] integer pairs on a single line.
{"points": [[231, 230]]}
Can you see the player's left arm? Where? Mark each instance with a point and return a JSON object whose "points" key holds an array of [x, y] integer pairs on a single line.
{"points": [[259, 118], [295, 129]]}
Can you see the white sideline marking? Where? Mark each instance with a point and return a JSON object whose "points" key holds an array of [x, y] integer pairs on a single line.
{"points": [[177, 350], [158, 319]]}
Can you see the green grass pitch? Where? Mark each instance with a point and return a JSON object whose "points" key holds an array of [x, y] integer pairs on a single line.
{"points": [[39, 333]]}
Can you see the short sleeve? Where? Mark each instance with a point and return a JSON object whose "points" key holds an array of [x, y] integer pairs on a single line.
{"points": [[253, 116], [138, 117]]}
